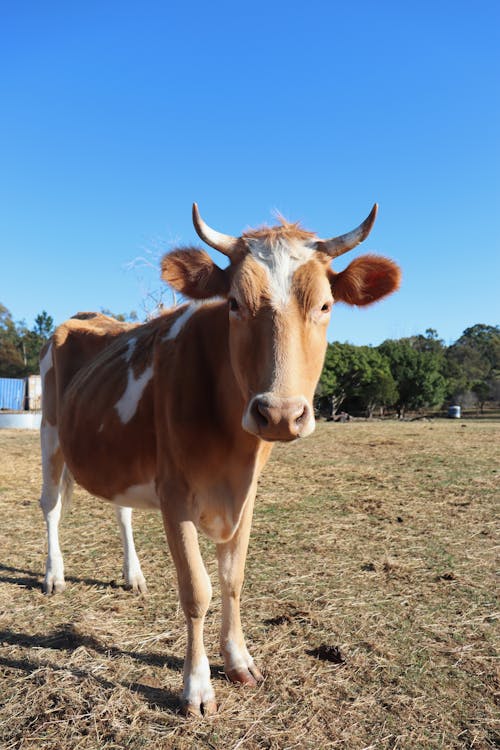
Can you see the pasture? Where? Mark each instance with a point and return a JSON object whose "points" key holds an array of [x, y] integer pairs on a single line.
{"points": [[369, 604]]}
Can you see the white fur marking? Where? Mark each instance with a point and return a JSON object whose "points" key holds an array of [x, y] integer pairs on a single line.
{"points": [[51, 502], [188, 311], [138, 496], [132, 572], [181, 321], [130, 349], [281, 260], [238, 657], [127, 405], [197, 686], [46, 363]]}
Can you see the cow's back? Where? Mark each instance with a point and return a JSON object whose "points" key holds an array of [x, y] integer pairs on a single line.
{"points": [[80, 340], [73, 345]]}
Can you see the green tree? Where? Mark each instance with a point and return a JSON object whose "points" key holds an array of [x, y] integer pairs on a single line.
{"points": [[130, 317], [12, 363], [417, 373], [34, 339], [378, 387], [357, 374], [472, 360], [44, 325], [19, 346]]}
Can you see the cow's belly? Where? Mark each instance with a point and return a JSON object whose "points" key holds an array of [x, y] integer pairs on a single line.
{"points": [[138, 496]]}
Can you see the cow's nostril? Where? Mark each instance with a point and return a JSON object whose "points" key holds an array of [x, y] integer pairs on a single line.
{"points": [[260, 413], [300, 418]]}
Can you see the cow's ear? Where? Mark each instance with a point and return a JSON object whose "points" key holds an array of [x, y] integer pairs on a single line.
{"points": [[365, 280], [193, 273]]}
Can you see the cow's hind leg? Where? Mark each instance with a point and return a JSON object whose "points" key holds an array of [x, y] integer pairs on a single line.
{"points": [[56, 491], [132, 572], [238, 664]]}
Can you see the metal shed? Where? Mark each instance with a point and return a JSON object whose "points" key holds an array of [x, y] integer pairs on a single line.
{"points": [[12, 392]]}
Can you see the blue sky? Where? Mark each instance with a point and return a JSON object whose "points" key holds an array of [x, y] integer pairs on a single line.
{"points": [[116, 116]]}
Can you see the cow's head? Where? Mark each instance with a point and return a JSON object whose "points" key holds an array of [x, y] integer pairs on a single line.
{"points": [[280, 289]]}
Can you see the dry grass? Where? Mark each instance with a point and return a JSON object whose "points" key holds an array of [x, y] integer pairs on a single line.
{"points": [[369, 602]]}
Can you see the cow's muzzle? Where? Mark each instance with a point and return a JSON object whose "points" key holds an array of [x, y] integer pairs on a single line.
{"points": [[273, 418]]}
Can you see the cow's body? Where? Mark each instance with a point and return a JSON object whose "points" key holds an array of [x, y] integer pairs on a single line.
{"points": [[181, 412]]}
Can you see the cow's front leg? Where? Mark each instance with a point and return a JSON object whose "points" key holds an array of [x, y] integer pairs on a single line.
{"points": [[195, 592], [238, 664]]}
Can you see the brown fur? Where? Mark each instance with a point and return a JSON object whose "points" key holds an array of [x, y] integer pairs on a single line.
{"points": [[367, 279], [286, 231], [192, 272]]}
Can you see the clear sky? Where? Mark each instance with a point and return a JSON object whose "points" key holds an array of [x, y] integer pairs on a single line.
{"points": [[116, 116]]}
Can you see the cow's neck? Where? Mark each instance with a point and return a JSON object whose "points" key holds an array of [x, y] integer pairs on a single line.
{"points": [[211, 403], [223, 462]]}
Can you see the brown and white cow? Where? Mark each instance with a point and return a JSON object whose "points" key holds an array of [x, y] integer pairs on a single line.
{"points": [[180, 413]]}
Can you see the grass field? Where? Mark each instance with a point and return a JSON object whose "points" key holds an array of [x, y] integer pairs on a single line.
{"points": [[369, 603]]}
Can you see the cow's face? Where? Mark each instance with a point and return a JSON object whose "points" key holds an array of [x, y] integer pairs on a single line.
{"points": [[280, 290], [279, 304]]}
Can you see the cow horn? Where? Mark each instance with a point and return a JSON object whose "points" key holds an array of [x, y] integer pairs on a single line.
{"points": [[339, 245], [224, 243]]}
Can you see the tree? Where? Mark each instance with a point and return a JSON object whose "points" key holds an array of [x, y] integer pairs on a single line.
{"points": [[356, 374], [19, 346], [11, 359], [44, 325], [417, 374], [473, 359], [378, 387], [130, 317], [339, 374], [482, 391]]}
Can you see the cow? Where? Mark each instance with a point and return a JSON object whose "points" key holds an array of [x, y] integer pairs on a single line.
{"points": [[181, 413]]}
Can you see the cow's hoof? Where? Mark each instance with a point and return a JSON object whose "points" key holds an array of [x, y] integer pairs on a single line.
{"points": [[190, 709], [137, 584], [53, 585], [245, 676]]}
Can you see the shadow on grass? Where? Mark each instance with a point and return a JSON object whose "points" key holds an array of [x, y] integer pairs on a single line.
{"points": [[155, 697], [67, 638], [30, 579]]}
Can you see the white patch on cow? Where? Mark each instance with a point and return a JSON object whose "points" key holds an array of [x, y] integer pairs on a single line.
{"points": [[280, 259], [197, 686], [132, 572], [130, 349], [46, 363], [51, 502], [127, 405], [238, 657], [187, 312], [101, 427], [138, 496], [181, 321]]}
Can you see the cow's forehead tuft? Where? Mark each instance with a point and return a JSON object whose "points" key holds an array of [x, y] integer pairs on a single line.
{"points": [[280, 258]]}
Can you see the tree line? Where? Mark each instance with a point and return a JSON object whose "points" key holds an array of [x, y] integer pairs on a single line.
{"points": [[413, 373], [410, 373], [20, 346]]}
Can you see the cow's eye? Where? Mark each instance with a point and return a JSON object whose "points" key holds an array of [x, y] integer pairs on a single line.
{"points": [[233, 305], [326, 307]]}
